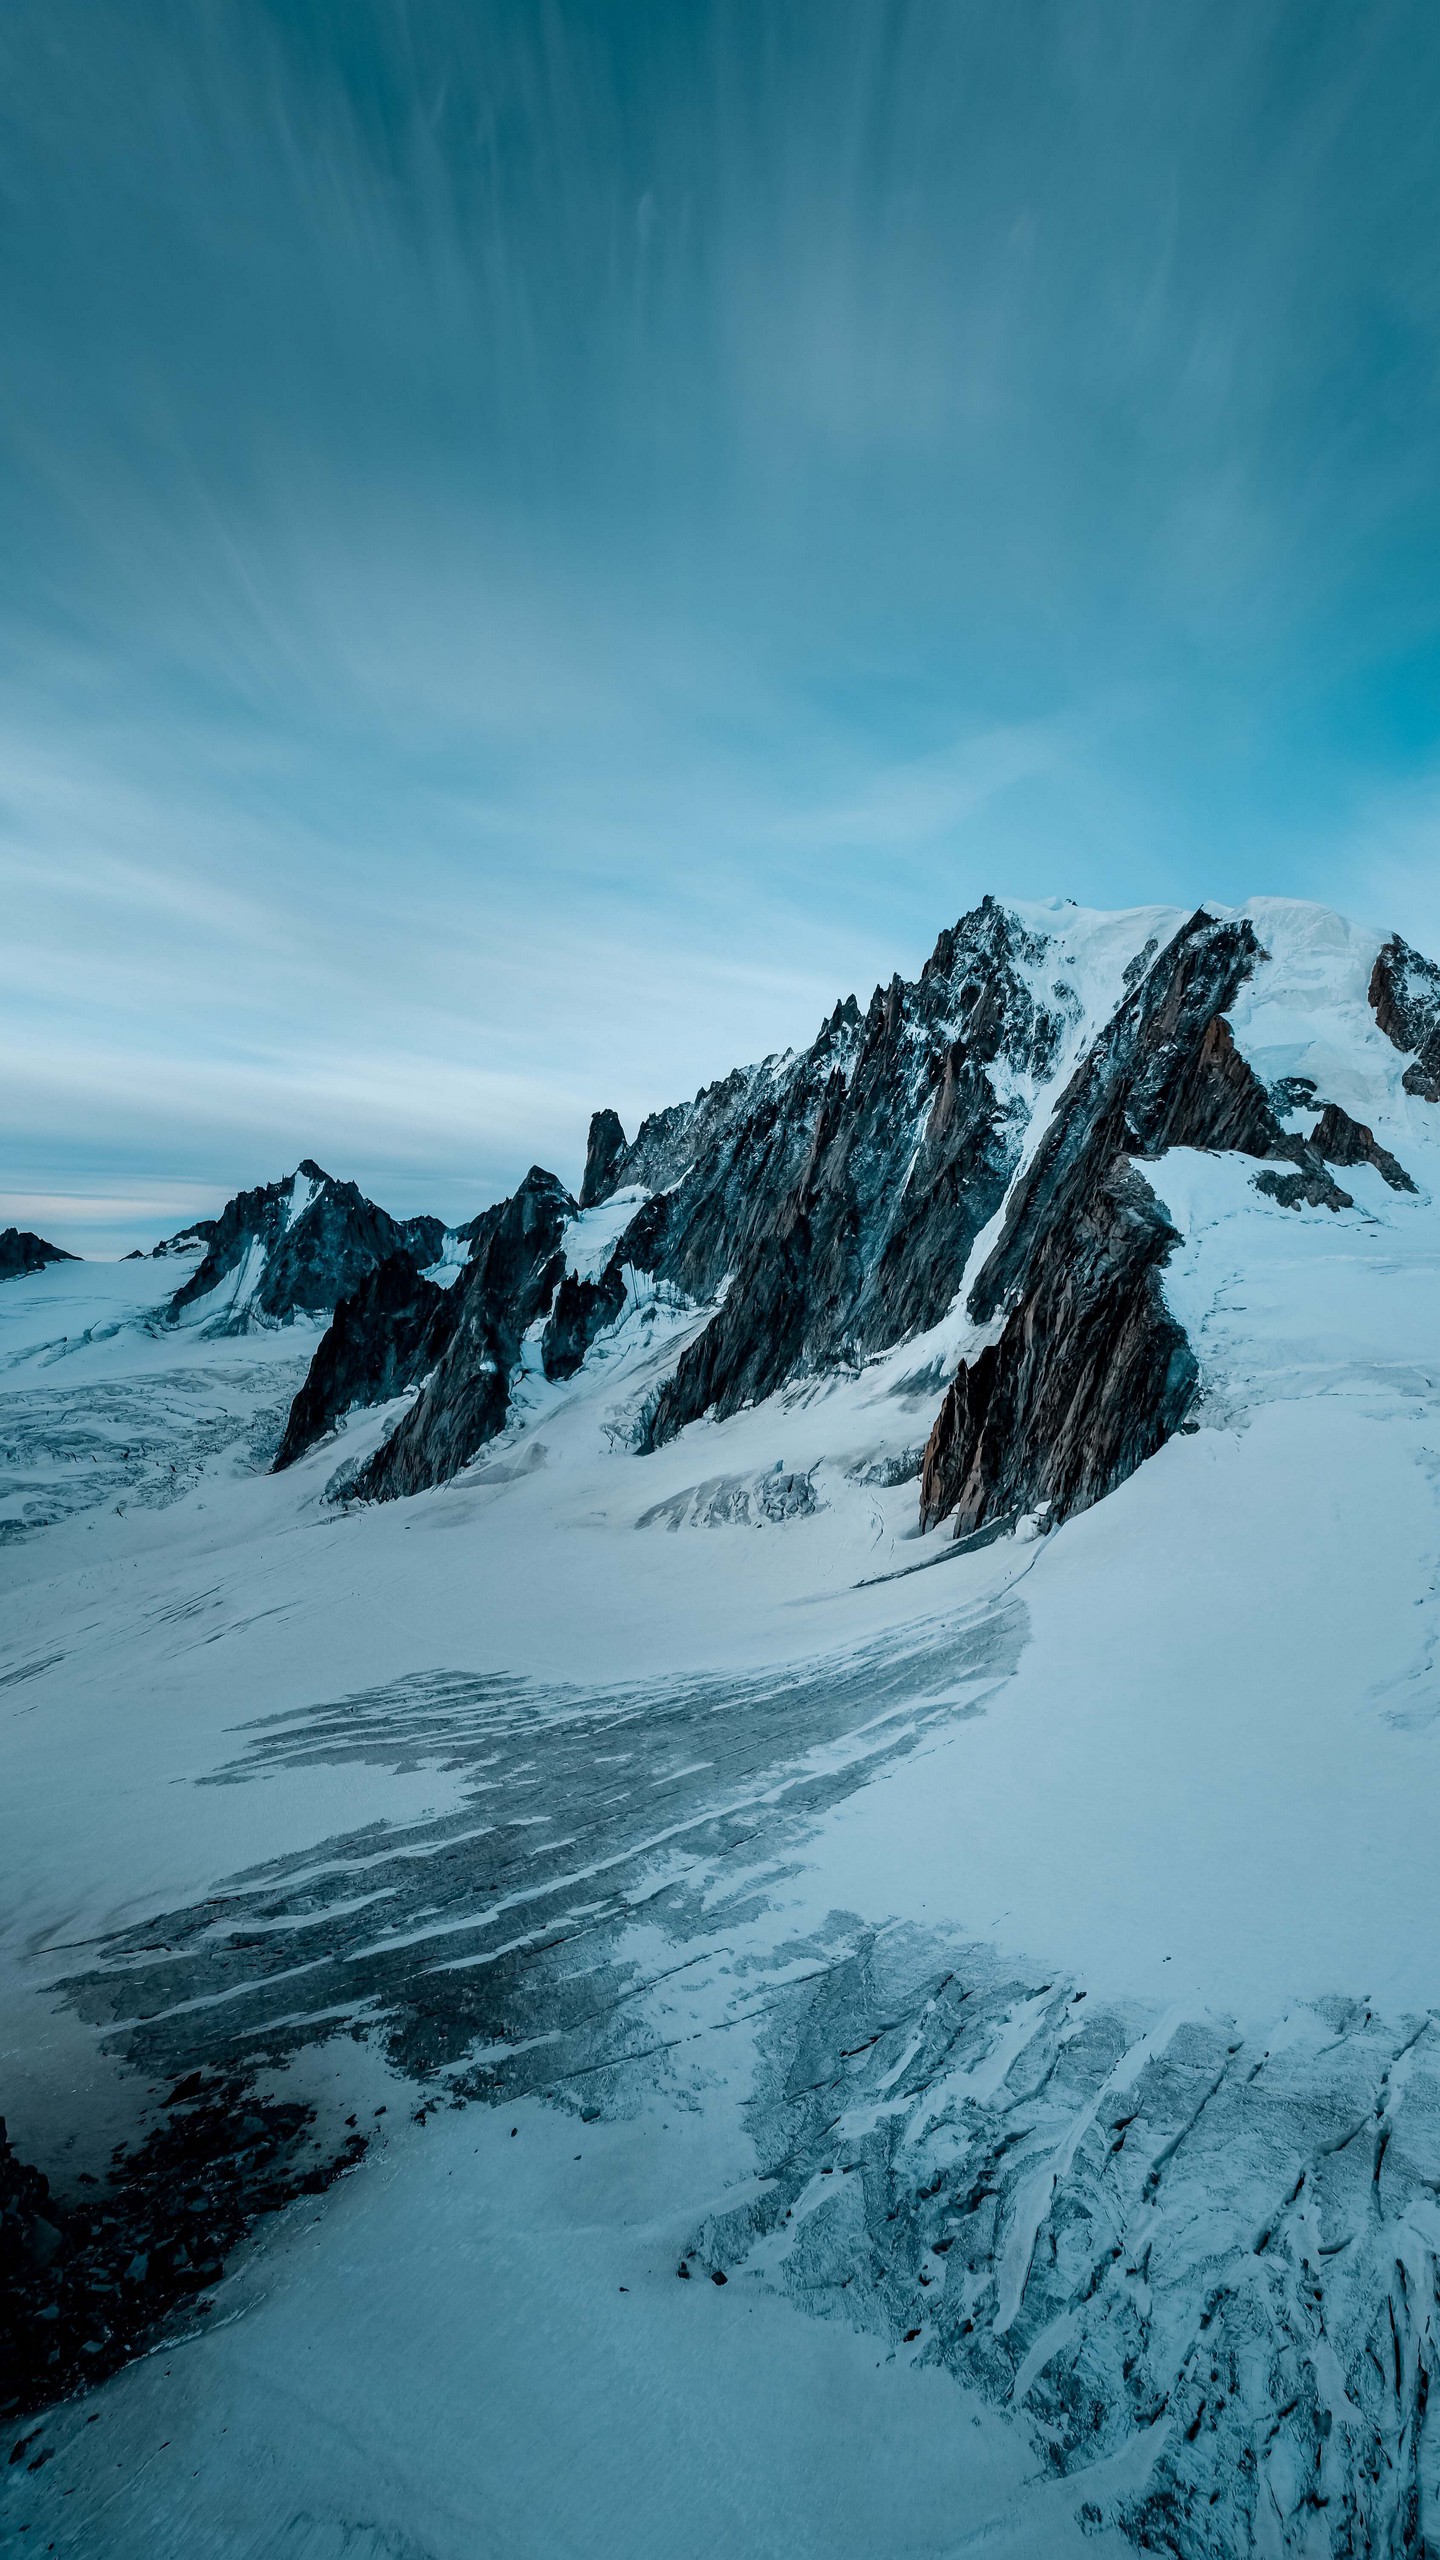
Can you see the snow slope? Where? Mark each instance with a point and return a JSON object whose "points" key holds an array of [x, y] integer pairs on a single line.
{"points": [[1015, 1969]]}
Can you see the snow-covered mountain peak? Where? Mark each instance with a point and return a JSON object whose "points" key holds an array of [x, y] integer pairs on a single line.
{"points": [[295, 1248], [957, 1168]]}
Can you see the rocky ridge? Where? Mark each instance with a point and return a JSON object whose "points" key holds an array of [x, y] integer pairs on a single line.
{"points": [[1091, 1372], [980, 1130], [845, 1200], [837, 1192]]}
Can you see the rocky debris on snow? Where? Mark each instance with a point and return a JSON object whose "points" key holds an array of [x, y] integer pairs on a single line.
{"points": [[1091, 1373], [383, 1338], [1405, 996], [736, 1502], [296, 1248], [1303, 1190], [84, 2283], [888, 1467], [22, 1252]]}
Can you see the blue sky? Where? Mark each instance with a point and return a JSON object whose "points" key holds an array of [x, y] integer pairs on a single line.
{"points": [[543, 542]]}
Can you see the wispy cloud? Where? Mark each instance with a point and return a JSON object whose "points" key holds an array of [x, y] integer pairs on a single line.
{"points": [[544, 545]]}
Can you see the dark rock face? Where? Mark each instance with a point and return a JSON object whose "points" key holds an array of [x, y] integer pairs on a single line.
{"points": [[298, 1247], [1165, 1072], [1091, 1373], [583, 1309], [843, 1189], [1088, 1379], [687, 1134], [1341, 1140], [1405, 995], [393, 1330], [423, 1239], [382, 1339], [511, 1278], [20, 1251], [602, 1156]]}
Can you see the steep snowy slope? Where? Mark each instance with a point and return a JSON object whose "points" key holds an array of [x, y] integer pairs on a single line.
{"points": [[1011, 1962]]}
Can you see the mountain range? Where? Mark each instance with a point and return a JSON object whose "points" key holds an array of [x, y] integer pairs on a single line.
{"points": [[743, 1858], [826, 1206]]}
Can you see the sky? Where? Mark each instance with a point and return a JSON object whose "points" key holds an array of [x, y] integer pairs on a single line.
{"points": [[541, 541]]}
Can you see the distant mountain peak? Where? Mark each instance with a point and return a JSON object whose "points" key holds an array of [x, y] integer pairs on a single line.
{"points": [[296, 1247]]}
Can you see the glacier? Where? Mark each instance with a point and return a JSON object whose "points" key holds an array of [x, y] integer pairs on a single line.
{"points": [[767, 2027]]}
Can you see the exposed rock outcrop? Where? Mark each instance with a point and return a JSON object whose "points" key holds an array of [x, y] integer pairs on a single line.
{"points": [[297, 1247], [392, 1331], [1305, 1190], [514, 1271], [383, 1338], [603, 1156], [422, 1238], [1089, 1378], [583, 1309], [22, 1252], [844, 1189], [1341, 1140], [1165, 1072], [1091, 1373], [191, 1239], [1405, 995]]}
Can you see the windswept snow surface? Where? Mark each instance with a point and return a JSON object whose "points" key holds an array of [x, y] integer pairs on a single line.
{"points": [[1014, 1970]]}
